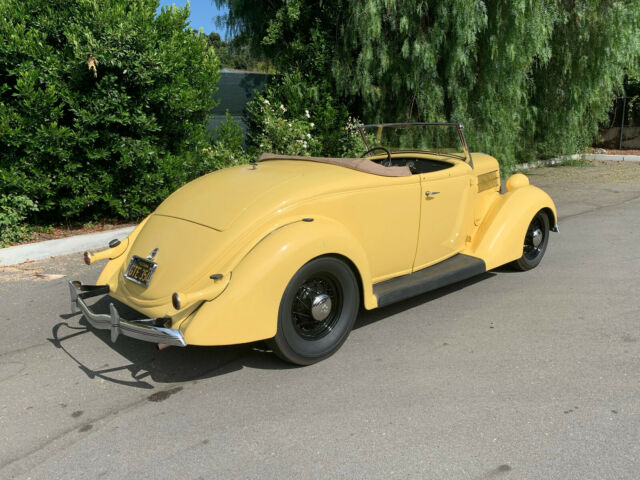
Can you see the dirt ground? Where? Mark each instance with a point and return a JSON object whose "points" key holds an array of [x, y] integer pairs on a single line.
{"points": [[587, 172], [43, 270], [615, 151]]}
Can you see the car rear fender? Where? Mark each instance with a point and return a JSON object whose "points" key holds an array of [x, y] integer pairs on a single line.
{"points": [[110, 270], [248, 309], [500, 237]]}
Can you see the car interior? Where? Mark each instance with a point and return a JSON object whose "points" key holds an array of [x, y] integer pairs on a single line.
{"points": [[416, 165]]}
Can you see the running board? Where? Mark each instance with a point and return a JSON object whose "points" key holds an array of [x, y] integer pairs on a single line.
{"points": [[454, 269]]}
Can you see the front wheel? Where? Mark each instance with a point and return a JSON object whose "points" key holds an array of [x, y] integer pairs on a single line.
{"points": [[317, 311], [535, 242]]}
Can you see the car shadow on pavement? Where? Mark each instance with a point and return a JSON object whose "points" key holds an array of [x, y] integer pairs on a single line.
{"points": [[367, 317], [147, 365]]}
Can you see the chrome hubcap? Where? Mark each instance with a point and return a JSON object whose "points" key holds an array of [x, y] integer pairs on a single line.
{"points": [[536, 237], [321, 307], [317, 306]]}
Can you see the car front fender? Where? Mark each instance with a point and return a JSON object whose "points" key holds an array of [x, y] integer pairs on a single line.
{"points": [[500, 237], [248, 309]]}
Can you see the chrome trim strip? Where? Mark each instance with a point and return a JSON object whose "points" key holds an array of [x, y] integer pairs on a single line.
{"points": [[138, 329]]}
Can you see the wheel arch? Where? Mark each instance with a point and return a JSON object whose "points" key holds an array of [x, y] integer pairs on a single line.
{"points": [[498, 239], [354, 270], [553, 221], [259, 280]]}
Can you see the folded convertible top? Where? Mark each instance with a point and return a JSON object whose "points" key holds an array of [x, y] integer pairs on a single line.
{"points": [[361, 164]]}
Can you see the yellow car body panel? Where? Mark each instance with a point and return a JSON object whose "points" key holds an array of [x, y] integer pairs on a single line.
{"points": [[255, 226], [500, 237], [248, 308], [446, 202]]}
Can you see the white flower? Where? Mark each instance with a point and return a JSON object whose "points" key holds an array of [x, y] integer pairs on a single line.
{"points": [[282, 108], [266, 102], [308, 135], [306, 114], [289, 124], [311, 124], [304, 144]]}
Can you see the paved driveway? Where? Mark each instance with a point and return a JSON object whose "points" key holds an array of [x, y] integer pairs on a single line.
{"points": [[510, 376]]}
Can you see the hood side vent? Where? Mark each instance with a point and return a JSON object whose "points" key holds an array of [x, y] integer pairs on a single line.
{"points": [[488, 181]]}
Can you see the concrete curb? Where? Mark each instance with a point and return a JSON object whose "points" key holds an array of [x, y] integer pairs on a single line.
{"points": [[548, 162], [62, 246], [579, 156], [614, 158]]}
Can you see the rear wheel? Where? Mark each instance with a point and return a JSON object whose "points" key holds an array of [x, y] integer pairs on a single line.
{"points": [[317, 311], [535, 242]]}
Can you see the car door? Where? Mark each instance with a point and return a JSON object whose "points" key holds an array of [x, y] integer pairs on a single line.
{"points": [[445, 214]]}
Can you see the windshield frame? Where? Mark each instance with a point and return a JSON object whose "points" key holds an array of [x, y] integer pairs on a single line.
{"points": [[459, 127]]}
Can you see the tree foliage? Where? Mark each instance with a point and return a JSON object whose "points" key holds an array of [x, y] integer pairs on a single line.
{"points": [[236, 53], [527, 78], [103, 104]]}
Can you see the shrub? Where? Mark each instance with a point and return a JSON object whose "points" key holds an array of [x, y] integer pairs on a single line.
{"points": [[13, 210], [293, 116], [103, 105], [227, 149], [280, 132]]}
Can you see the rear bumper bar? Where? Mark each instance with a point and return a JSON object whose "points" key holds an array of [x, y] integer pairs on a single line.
{"points": [[144, 329]]}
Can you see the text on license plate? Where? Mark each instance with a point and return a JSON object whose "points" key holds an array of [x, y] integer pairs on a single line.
{"points": [[140, 270]]}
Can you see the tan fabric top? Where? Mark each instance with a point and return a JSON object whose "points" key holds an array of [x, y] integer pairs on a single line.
{"points": [[361, 164]]}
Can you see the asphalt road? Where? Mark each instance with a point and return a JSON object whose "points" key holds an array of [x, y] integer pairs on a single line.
{"points": [[530, 375]]}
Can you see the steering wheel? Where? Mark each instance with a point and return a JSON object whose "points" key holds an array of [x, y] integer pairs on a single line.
{"points": [[387, 162]]}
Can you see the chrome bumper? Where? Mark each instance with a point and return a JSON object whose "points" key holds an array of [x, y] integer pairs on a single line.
{"points": [[143, 329]]}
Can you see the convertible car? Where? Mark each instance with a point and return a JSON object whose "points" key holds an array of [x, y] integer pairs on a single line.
{"points": [[287, 249]]}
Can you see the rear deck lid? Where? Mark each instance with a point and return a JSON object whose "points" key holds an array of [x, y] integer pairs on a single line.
{"points": [[217, 199]]}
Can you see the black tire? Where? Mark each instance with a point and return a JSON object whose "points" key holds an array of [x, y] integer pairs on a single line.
{"points": [[534, 246], [308, 334]]}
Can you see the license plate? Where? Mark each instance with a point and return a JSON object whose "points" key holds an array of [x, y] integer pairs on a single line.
{"points": [[140, 270]]}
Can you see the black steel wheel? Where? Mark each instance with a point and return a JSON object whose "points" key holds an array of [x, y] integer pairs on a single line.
{"points": [[535, 242], [317, 311]]}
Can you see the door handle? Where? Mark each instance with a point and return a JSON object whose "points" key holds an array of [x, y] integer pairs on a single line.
{"points": [[429, 194]]}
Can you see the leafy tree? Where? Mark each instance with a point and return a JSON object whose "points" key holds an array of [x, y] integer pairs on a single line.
{"points": [[526, 78], [103, 105], [237, 53], [295, 41], [592, 45]]}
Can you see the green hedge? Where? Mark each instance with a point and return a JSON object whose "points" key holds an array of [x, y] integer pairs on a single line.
{"points": [[103, 106]]}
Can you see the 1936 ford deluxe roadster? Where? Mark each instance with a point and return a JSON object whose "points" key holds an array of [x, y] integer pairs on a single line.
{"points": [[287, 249]]}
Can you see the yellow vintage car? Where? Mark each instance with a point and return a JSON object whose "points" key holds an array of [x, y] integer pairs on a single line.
{"points": [[288, 249]]}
